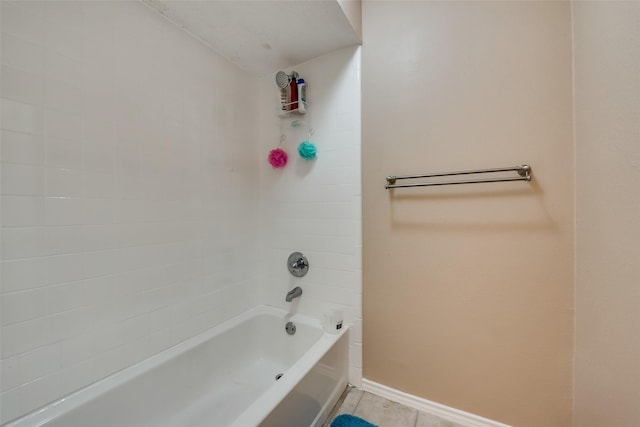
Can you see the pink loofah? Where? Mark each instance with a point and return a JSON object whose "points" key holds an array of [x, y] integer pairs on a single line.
{"points": [[277, 158]]}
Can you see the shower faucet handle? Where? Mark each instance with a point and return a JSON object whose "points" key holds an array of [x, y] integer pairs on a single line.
{"points": [[298, 264]]}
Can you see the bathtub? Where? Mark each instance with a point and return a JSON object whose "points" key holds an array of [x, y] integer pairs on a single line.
{"points": [[225, 376]]}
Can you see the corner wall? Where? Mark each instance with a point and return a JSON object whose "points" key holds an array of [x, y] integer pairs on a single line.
{"points": [[607, 126], [314, 206], [129, 193], [468, 290]]}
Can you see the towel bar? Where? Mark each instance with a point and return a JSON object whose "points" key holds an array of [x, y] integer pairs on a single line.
{"points": [[523, 171]]}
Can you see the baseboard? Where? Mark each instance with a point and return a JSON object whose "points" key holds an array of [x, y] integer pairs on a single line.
{"points": [[452, 414]]}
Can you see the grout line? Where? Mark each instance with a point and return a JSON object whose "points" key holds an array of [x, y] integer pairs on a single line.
{"points": [[358, 404], [337, 406]]}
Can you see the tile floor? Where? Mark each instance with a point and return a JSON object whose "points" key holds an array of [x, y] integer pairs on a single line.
{"points": [[383, 412]]}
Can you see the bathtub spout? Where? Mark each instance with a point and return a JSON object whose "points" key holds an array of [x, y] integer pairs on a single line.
{"points": [[293, 293]]}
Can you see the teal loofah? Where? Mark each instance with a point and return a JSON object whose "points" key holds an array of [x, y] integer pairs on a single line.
{"points": [[307, 150]]}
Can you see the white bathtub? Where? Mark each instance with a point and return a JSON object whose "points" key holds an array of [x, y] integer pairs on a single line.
{"points": [[222, 377]]}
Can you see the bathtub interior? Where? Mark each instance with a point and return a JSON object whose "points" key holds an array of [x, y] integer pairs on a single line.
{"points": [[311, 400], [215, 380]]}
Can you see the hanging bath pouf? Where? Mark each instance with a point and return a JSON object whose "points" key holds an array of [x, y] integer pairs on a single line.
{"points": [[278, 158], [307, 150]]}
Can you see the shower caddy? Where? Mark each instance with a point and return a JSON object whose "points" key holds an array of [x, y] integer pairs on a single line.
{"points": [[293, 93]]}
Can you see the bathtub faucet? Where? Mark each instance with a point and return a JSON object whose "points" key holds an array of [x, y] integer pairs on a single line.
{"points": [[293, 293]]}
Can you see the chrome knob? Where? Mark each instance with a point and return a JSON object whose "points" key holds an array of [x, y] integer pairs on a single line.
{"points": [[297, 264]]}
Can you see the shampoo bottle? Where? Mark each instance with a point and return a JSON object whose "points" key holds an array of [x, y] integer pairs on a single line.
{"points": [[294, 93], [302, 96]]}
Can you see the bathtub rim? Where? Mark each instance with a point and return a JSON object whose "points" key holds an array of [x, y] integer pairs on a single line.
{"points": [[258, 409]]}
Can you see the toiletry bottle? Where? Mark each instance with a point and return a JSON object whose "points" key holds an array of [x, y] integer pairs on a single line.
{"points": [[284, 98], [302, 96], [294, 93]]}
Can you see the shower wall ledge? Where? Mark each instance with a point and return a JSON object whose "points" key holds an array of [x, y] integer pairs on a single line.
{"points": [[266, 36]]}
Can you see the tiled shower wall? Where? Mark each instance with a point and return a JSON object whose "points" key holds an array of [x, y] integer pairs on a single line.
{"points": [[129, 193], [313, 206]]}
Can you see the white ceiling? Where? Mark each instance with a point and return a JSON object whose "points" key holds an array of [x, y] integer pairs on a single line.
{"points": [[262, 36]]}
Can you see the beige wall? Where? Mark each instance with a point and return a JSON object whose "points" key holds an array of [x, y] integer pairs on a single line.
{"points": [[468, 290], [607, 108]]}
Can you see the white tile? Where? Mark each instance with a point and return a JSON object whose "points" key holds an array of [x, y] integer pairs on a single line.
{"points": [[64, 154], [127, 156], [135, 234], [355, 333], [98, 211], [10, 374], [101, 288], [64, 182], [22, 211], [162, 319], [358, 305], [64, 126], [22, 242], [34, 7], [22, 180], [68, 324], [65, 37], [78, 349], [76, 377], [99, 237], [67, 296], [22, 86], [99, 72], [99, 263], [110, 336], [106, 312], [64, 268], [62, 68], [63, 97], [22, 23], [22, 148], [39, 392], [68, 13], [135, 327], [158, 341], [355, 355], [98, 185], [110, 361], [22, 337], [22, 55], [160, 189], [60, 240], [98, 158], [136, 210], [21, 117], [39, 362], [99, 105], [98, 152], [64, 211], [104, 17], [10, 403], [355, 376], [23, 274], [25, 305]]}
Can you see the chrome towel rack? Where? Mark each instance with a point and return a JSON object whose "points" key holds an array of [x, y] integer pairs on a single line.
{"points": [[523, 171]]}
